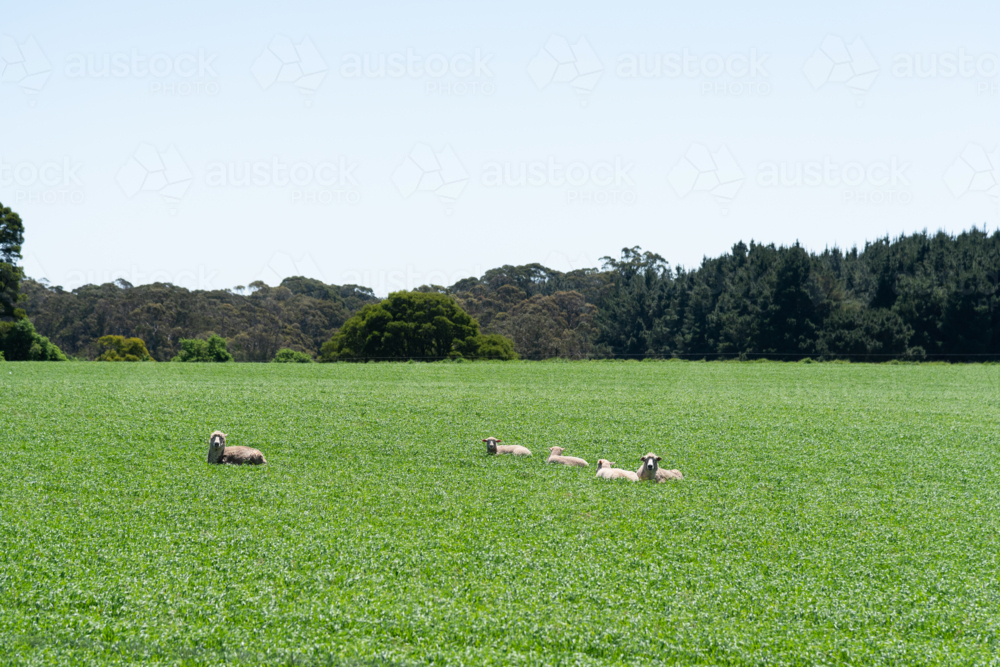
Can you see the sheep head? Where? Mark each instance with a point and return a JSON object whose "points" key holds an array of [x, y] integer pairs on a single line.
{"points": [[216, 446], [491, 444], [604, 463], [650, 462], [556, 450]]}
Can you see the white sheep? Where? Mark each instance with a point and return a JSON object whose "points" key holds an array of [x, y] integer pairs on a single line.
{"points": [[493, 448], [606, 471], [219, 453], [557, 457], [651, 471]]}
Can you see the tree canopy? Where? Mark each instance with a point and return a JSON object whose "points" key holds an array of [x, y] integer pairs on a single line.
{"points": [[299, 314], [20, 342], [11, 240], [411, 325]]}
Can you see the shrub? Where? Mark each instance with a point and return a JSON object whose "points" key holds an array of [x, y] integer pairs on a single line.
{"points": [[495, 346], [20, 342], [287, 356], [199, 350], [120, 348]]}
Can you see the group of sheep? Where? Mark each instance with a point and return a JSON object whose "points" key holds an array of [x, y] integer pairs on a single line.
{"points": [[649, 470]]}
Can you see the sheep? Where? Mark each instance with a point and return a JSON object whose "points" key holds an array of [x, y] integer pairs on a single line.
{"points": [[652, 472], [557, 457], [219, 453], [493, 448], [605, 471]]}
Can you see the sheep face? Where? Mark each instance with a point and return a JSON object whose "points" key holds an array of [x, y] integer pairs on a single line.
{"points": [[216, 446], [491, 445], [650, 463]]}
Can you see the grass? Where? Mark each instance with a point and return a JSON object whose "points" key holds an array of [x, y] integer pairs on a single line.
{"points": [[832, 514]]}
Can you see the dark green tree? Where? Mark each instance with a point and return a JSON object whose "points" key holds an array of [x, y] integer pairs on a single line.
{"points": [[636, 299], [20, 342], [789, 319], [407, 325], [11, 240]]}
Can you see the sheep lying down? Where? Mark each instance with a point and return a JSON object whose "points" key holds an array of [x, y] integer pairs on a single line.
{"points": [[605, 470], [493, 447], [219, 453], [651, 471], [557, 457]]}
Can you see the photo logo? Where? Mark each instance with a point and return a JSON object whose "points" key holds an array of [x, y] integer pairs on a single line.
{"points": [[877, 182], [703, 171], [23, 64], [423, 170], [602, 182], [730, 75], [325, 182], [975, 171], [184, 74], [836, 62], [151, 171], [560, 62], [51, 182], [284, 62]]}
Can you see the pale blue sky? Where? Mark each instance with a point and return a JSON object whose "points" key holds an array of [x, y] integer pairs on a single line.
{"points": [[397, 176]]}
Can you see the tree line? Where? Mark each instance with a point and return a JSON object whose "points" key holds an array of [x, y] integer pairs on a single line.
{"points": [[918, 296], [300, 314]]}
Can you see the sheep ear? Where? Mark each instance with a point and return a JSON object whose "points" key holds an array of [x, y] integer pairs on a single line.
{"points": [[659, 458]]}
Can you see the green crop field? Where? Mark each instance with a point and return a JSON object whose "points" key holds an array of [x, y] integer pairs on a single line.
{"points": [[831, 514]]}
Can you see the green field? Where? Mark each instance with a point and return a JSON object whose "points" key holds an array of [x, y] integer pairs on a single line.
{"points": [[832, 514]]}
